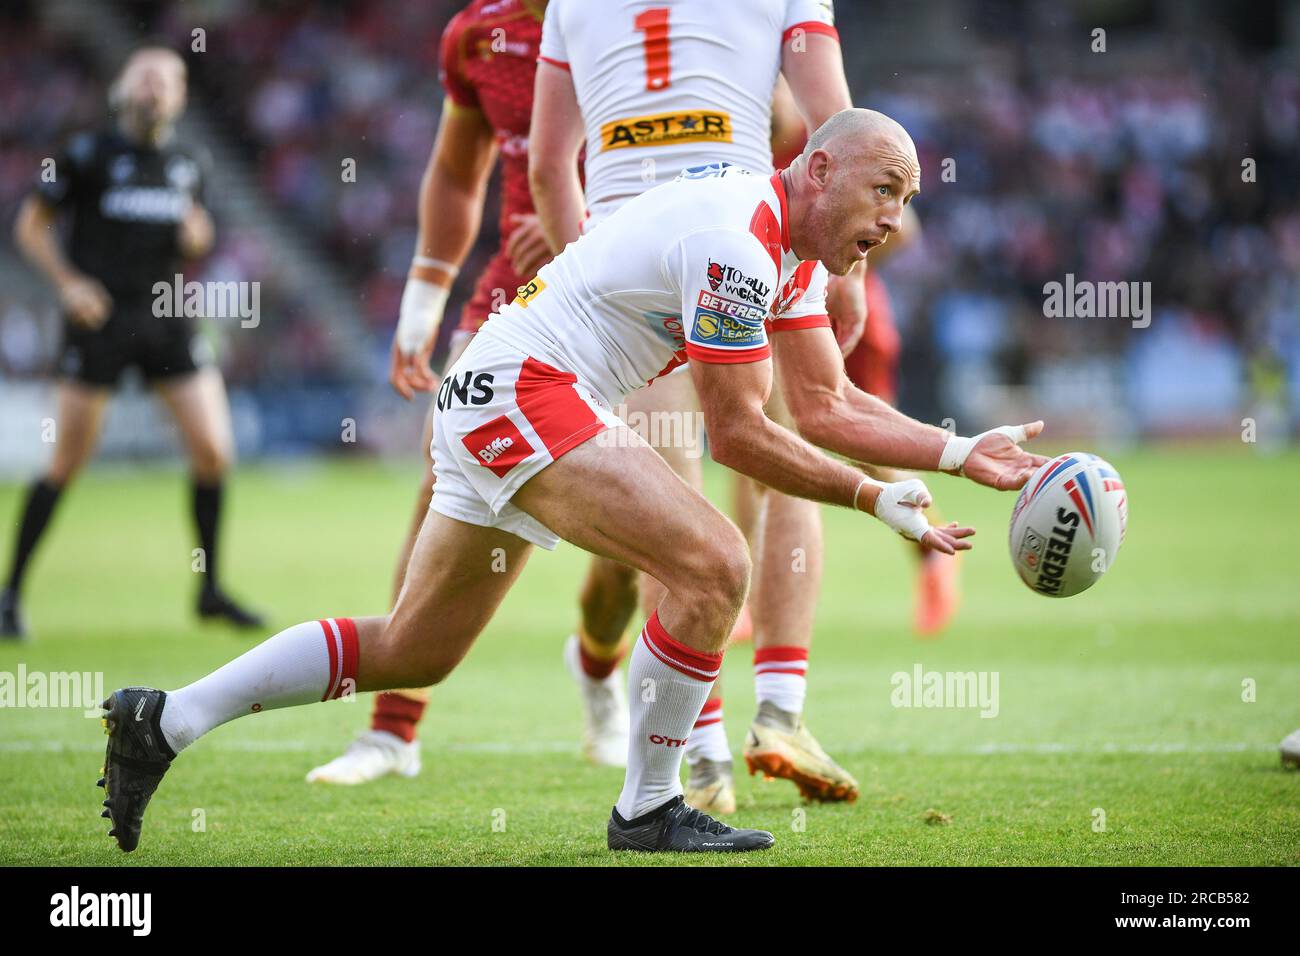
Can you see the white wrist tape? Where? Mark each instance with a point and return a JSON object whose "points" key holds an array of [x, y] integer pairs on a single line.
{"points": [[900, 505], [957, 449], [420, 314]]}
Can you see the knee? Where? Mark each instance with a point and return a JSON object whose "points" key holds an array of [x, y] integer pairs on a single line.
{"points": [[718, 567], [210, 461], [62, 471]]}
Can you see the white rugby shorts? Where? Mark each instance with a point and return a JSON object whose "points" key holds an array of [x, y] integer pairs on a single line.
{"points": [[502, 416]]}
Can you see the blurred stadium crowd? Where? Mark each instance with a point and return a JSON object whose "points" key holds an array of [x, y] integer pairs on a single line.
{"points": [[1040, 158]]}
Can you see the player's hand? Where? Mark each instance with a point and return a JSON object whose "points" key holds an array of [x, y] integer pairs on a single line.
{"points": [[997, 460], [527, 246], [85, 300], [901, 504], [196, 232], [846, 302], [409, 374]]}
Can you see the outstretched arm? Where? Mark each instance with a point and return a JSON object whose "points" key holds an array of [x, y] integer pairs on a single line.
{"points": [[743, 438], [832, 413]]}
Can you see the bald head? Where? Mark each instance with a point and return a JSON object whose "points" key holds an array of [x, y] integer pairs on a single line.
{"points": [[849, 186], [860, 133]]}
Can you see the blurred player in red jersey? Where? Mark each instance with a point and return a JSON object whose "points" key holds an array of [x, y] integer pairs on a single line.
{"points": [[487, 59]]}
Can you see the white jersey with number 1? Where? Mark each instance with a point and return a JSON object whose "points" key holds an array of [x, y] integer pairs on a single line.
{"points": [[666, 86]]}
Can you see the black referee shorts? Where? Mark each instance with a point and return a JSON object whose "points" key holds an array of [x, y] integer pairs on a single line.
{"points": [[161, 348]]}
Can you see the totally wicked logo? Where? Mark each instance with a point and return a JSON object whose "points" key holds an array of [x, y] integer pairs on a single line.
{"points": [[733, 282]]}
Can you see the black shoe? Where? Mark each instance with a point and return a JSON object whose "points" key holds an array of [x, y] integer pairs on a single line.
{"points": [[215, 603], [136, 759], [12, 625], [677, 828]]}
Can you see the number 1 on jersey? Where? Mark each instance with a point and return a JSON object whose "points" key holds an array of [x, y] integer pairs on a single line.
{"points": [[658, 63]]}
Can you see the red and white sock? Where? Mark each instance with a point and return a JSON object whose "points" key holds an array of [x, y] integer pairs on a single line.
{"points": [[304, 663], [668, 684], [708, 739], [397, 714], [780, 676]]}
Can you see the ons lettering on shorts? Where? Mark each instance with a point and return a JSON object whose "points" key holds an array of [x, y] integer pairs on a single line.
{"points": [[465, 388], [498, 445]]}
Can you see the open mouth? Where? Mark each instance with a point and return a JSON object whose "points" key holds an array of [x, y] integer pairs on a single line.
{"points": [[866, 245]]}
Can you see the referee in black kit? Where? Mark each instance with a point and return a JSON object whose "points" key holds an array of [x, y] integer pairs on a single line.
{"points": [[132, 198]]}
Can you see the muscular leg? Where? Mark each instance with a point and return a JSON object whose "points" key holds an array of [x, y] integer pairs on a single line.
{"points": [[622, 503], [789, 564], [789, 570], [389, 746], [650, 519], [79, 415], [452, 590], [664, 415]]}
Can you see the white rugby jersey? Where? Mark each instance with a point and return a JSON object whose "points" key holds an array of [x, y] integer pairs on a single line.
{"points": [[675, 82], [699, 268]]}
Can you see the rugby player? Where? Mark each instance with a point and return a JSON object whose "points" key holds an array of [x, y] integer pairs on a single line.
{"points": [[133, 197], [654, 92], [518, 464]]}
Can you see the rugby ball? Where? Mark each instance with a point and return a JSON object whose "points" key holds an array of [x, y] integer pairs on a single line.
{"points": [[1068, 524]]}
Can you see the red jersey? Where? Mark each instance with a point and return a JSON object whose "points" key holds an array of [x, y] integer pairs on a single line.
{"points": [[487, 62]]}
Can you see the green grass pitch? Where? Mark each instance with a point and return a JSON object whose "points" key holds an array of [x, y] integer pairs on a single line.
{"points": [[1124, 704]]}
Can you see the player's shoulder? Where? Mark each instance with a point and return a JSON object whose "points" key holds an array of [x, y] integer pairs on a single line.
{"points": [[730, 197]]}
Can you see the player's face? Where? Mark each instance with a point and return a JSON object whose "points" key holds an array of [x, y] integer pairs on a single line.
{"points": [[153, 87], [863, 205]]}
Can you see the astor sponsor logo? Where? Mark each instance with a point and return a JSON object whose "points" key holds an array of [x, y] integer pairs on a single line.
{"points": [[666, 129], [740, 310], [529, 291], [733, 282], [716, 328], [456, 387], [1057, 553]]}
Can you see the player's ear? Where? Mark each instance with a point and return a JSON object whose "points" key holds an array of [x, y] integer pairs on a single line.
{"points": [[819, 167]]}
